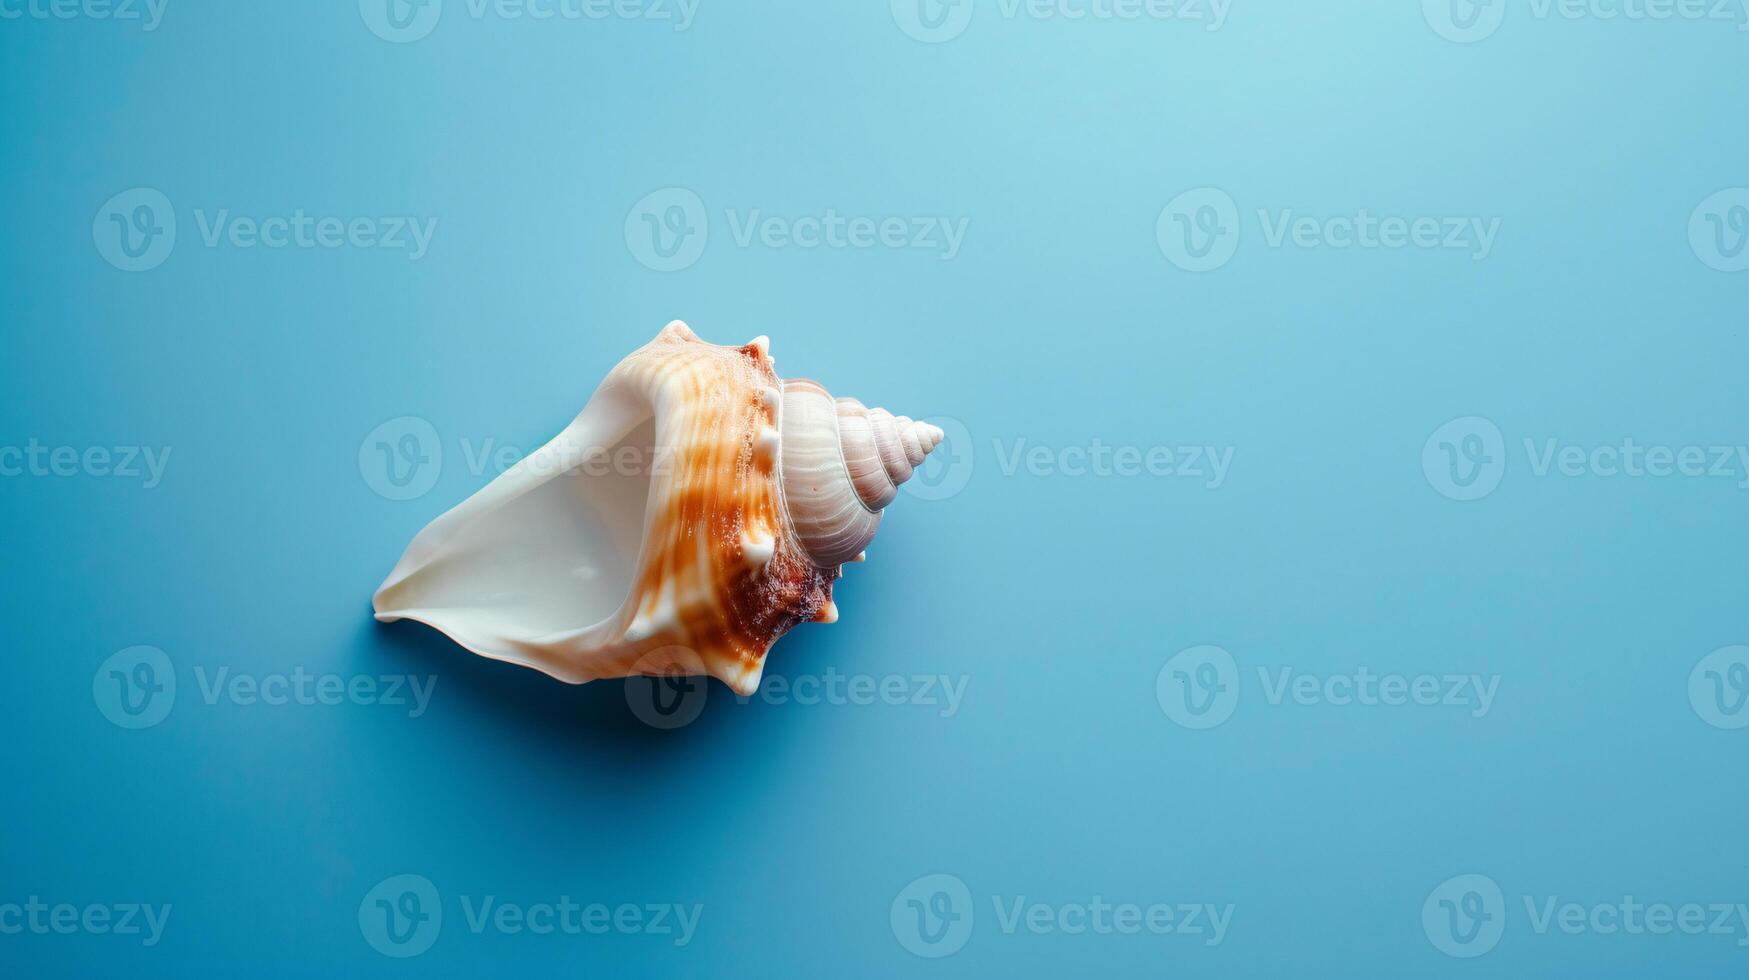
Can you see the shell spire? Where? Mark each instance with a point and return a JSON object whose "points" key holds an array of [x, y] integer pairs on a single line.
{"points": [[843, 463]]}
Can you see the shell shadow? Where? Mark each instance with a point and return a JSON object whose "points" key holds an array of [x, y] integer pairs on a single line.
{"points": [[592, 724]]}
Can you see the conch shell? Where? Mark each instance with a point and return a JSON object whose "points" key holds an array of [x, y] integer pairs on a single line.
{"points": [[696, 510]]}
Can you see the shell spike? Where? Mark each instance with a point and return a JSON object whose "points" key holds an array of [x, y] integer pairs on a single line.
{"points": [[678, 330]]}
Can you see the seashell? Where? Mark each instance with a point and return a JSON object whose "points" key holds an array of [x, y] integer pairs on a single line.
{"points": [[695, 511]]}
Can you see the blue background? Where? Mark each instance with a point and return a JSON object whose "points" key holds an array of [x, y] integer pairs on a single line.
{"points": [[1058, 599]]}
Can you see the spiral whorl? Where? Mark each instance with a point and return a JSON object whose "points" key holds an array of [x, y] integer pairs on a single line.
{"points": [[843, 463]]}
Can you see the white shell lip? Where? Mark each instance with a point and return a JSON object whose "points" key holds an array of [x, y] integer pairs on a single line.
{"points": [[515, 624]]}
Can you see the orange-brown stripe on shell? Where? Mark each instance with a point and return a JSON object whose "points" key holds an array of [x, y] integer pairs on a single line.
{"points": [[730, 610]]}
